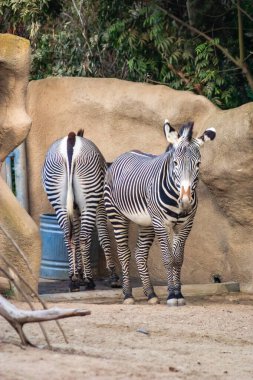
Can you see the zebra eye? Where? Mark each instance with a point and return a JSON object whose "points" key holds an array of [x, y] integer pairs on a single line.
{"points": [[175, 163], [198, 164]]}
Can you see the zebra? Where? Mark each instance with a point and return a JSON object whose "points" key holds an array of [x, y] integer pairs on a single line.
{"points": [[159, 194], [73, 178]]}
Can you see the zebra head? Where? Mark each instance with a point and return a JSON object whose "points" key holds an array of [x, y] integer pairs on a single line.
{"points": [[185, 159]]}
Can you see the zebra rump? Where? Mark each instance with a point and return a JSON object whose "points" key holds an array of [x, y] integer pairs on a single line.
{"points": [[73, 178]]}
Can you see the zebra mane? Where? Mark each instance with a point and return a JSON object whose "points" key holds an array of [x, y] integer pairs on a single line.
{"points": [[80, 132], [169, 148], [186, 131]]}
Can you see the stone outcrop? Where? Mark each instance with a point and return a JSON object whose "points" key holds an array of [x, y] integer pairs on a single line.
{"points": [[14, 70], [24, 231], [14, 127], [119, 116]]}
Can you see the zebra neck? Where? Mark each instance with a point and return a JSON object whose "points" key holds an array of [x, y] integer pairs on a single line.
{"points": [[167, 181]]}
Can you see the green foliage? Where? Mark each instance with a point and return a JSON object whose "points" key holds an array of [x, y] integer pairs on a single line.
{"points": [[136, 40], [8, 293], [155, 50], [212, 79], [23, 17], [57, 54]]}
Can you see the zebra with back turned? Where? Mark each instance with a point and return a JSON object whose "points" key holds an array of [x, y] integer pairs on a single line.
{"points": [[159, 194], [73, 178]]}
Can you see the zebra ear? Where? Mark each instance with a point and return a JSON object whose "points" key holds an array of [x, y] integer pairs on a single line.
{"points": [[170, 133], [208, 135]]}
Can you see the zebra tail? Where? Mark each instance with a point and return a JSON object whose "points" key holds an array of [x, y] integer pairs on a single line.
{"points": [[70, 195], [80, 132]]}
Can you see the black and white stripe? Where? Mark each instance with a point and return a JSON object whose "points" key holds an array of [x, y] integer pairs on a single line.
{"points": [[73, 178], [159, 194]]}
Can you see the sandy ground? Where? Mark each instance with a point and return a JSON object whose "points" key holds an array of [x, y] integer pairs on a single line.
{"points": [[209, 338]]}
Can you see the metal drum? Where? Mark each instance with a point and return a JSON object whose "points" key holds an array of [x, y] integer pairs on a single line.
{"points": [[54, 262]]}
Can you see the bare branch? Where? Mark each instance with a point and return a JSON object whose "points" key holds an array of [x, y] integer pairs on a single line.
{"points": [[31, 289], [245, 13], [187, 81], [12, 313], [197, 31], [19, 330], [84, 26], [237, 62], [240, 32], [17, 318], [78, 13], [6, 233]]}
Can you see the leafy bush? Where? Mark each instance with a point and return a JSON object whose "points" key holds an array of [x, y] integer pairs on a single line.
{"points": [[136, 40]]}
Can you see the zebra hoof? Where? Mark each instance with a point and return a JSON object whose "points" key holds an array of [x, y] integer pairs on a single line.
{"points": [[116, 284], [153, 301], [129, 301], [76, 289], [115, 281], [74, 278], [181, 302], [74, 286], [90, 285], [172, 302]]}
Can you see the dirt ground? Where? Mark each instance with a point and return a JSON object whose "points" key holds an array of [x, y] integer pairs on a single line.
{"points": [[209, 338]]}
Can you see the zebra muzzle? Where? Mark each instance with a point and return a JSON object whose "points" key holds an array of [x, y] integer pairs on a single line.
{"points": [[185, 197]]}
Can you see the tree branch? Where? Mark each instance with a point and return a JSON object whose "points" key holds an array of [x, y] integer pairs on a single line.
{"points": [[245, 13], [187, 81], [197, 31], [23, 338], [17, 317], [237, 62], [12, 313], [6, 233], [240, 33], [8, 264]]}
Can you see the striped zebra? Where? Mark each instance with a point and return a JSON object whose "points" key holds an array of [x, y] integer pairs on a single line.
{"points": [[73, 178], [159, 194]]}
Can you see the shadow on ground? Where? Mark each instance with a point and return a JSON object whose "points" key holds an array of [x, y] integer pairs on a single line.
{"points": [[47, 286]]}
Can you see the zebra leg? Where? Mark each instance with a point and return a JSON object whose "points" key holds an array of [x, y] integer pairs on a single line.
{"points": [[181, 233], [62, 217], [178, 262], [121, 225], [88, 218], [103, 236], [145, 239], [76, 233], [167, 258]]}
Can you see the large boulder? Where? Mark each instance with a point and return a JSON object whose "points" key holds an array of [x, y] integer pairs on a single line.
{"points": [[14, 127], [14, 70], [119, 116], [25, 233]]}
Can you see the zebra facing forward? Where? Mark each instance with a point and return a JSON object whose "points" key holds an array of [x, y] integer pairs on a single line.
{"points": [[73, 178], [159, 194]]}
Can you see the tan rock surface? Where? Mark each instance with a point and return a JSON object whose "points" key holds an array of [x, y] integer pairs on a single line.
{"points": [[119, 116], [14, 71], [25, 233], [14, 127]]}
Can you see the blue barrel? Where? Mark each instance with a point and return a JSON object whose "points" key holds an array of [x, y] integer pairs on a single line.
{"points": [[54, 262]]}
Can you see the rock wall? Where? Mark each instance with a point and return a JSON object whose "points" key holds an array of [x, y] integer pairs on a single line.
{"points": [[14, 71], [119, 116], [14, 127]]}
